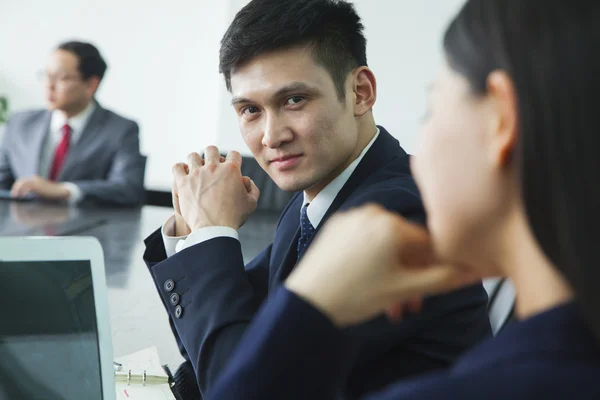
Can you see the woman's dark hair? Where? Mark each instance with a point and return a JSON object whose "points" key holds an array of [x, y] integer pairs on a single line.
{"points": [[548, 48]]}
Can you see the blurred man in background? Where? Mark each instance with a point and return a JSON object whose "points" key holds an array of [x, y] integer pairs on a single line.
{"points": [[75, 150]]}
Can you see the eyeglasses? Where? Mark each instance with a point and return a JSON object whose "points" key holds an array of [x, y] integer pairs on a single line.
{"points": [[61, 79]]}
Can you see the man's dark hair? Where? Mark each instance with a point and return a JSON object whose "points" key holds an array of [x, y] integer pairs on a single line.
{"points": [[91, 62], [332, 28]]}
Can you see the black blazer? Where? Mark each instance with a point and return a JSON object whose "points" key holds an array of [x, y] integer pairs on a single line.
{"points": [[219, 297], [293, 352]]}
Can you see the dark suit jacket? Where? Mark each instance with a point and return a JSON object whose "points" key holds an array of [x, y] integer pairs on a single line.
{"points": [[219, 297], [105, 163], [292, 351]]}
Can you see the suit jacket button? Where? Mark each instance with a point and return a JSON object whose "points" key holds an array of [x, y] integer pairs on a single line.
{"points": [[169, 285], [174, 299], [178, 312]]}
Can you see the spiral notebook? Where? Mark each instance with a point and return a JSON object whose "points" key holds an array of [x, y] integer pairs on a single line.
{"points": [[141, 376]]}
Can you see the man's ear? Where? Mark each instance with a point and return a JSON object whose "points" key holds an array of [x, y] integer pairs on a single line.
{"points": [[365, 90], [93, 82]]}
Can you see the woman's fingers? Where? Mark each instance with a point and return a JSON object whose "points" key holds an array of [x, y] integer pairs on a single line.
{"points": [[429, 280]]}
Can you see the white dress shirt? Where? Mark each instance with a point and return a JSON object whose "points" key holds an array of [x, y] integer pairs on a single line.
{"points": [[54, 137], [316, 211]]}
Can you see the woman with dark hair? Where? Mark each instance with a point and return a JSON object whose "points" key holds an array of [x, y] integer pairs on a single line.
{"points": [[509, 171]]}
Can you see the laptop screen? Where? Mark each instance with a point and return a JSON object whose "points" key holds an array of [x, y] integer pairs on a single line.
{"points": [[48, 331]]}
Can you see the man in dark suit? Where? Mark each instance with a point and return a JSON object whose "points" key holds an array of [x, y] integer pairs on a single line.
{"points": [[76, 150], [303, 94]]}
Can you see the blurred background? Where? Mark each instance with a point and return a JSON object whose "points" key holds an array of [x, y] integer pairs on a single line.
{"points": [[163, 65]]}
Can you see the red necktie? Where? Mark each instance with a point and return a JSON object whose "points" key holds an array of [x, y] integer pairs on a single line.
{"points": [[60, 154]]}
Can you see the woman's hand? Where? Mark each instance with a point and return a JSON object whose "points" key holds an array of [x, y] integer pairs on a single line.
{"points": [[369, 261]]}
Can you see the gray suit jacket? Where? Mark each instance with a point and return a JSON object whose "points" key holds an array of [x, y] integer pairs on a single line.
{"points": [[105, 163]]}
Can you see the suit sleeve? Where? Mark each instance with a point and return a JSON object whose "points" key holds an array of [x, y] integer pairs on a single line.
{"points": [[210, 297], [125, 181], [292, 351], [6, 175]]}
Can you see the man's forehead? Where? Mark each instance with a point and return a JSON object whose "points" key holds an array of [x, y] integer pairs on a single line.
{"points": [[264, 76], [64, 59]]}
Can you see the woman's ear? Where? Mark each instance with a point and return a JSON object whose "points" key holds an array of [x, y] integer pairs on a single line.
{"points": [[504, 120]]}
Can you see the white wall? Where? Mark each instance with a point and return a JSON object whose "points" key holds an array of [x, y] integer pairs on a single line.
{"points": [[404, 50], [163, 64]]}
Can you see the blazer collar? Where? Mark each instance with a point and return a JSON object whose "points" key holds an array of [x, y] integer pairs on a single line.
{"points": [[384, 149], [39, 137]]}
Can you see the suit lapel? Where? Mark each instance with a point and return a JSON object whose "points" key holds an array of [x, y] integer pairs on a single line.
{"points": [[40, 133], [88, 135], [289, 259], [283, 253], [383, 150]]}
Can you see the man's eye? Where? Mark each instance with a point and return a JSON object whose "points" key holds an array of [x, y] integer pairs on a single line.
{"points": [[294, 100], [250, 110]]}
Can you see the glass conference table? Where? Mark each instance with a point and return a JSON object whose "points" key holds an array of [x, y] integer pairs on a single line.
{"points": [[138, 318]]}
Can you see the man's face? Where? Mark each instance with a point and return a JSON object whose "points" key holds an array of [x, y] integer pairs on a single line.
{"points": [[64, 87], [292, 119]]}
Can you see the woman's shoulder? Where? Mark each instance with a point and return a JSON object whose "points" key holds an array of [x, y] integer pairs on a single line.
{"points": [[525, 380], [552, 355]]}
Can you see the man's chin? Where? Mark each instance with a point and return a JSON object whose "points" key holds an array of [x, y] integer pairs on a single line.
{"points": [[52, 106], [292, 185]]}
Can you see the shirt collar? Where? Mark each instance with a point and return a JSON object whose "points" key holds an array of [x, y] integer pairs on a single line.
{"points": [[318, 207], [77, 122]]}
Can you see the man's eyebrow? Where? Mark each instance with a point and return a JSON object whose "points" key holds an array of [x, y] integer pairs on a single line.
{"points": [[240, 100], [282, 91], [294, 87]]}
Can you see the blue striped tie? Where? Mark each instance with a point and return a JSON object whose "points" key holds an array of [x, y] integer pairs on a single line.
{"points": [[307, 231]]}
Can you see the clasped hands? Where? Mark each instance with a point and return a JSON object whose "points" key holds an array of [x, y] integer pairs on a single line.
{"points": [[211, 191]]}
